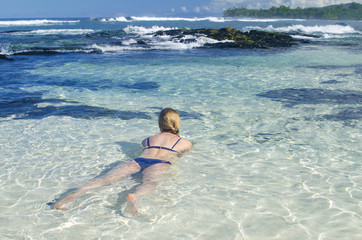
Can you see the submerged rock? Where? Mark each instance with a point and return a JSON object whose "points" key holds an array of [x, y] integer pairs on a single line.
{"points": [[142, 85], [237, 39], [291, 97], [4, 57]]}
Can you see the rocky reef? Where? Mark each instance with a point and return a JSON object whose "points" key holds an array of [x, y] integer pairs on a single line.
{"points": [[189, 38], [233, 38]]}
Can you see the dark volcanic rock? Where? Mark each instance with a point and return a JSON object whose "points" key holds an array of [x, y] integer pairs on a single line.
{"points": [[251, 39]]}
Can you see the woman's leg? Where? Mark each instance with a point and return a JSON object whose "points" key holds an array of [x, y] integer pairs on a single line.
{"points": [[151, 178], [117, 173]]}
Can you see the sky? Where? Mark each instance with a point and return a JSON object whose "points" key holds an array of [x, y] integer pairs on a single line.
{"points": [[150, 8]]}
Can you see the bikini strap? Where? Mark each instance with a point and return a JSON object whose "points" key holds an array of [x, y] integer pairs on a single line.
{"points": [[148, 142], [176, 143]]}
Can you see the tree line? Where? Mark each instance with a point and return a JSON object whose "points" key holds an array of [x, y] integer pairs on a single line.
{"points": [[350, 11]]}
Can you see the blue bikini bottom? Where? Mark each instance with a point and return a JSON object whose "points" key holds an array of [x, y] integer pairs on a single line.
{"points": [[147, 162]]}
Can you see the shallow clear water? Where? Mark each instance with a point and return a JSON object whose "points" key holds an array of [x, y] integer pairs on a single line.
{"points": [[277, 141]]}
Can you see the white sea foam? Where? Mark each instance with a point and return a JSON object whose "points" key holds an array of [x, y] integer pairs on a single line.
{"points": [[212, 19], [106, 48], [55, 31], [161, 43], [332, 36], [5, 49], [129, 41], [326, 30], [115, 19], [143, 30], [186, 42], [34, 22], [302, 37]]}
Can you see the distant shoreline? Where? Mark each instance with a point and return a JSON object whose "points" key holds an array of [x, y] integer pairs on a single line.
{"points": [[350, 11]]}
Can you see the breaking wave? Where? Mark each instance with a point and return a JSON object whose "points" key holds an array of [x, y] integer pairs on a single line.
{"points": [[35, 22], [44, 51], [52, 32], [211, 19], [115, 19], [187, 42], [143, 30], [327, 31]]}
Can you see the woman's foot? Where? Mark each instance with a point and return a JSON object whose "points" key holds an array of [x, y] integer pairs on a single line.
{"points": [[64, 204], [132, 205]]}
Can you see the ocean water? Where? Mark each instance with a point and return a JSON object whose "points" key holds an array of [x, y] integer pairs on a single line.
{"points": [[277, 132]]}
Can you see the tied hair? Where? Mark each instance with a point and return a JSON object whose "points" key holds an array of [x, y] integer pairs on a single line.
{"points": [[169, 121], [174, 131]]}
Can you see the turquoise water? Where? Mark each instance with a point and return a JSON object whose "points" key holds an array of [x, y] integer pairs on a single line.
{"points": [[276, 131]]}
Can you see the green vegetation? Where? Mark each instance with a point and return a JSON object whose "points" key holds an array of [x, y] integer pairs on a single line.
{"points": [[350, 11]]}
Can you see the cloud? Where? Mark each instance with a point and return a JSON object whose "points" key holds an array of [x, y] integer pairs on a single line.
{"points": [[206, 8], [184, 9], [197, 9], [202, 9]]}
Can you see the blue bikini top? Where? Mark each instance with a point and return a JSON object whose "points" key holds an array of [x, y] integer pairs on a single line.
{"points": [[159, 147]]}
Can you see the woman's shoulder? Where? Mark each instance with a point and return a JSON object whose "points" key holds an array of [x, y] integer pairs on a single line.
{"points": [[185, 141], [184, 144]]}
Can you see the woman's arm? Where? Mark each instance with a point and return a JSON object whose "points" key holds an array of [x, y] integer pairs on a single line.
{"points": [[184, 146]]}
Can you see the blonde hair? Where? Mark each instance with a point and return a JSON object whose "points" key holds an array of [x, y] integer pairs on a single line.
{"points": [[169, 121]]}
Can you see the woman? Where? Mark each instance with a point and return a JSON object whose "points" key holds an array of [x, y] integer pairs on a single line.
{"points": [[154, 162]]}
